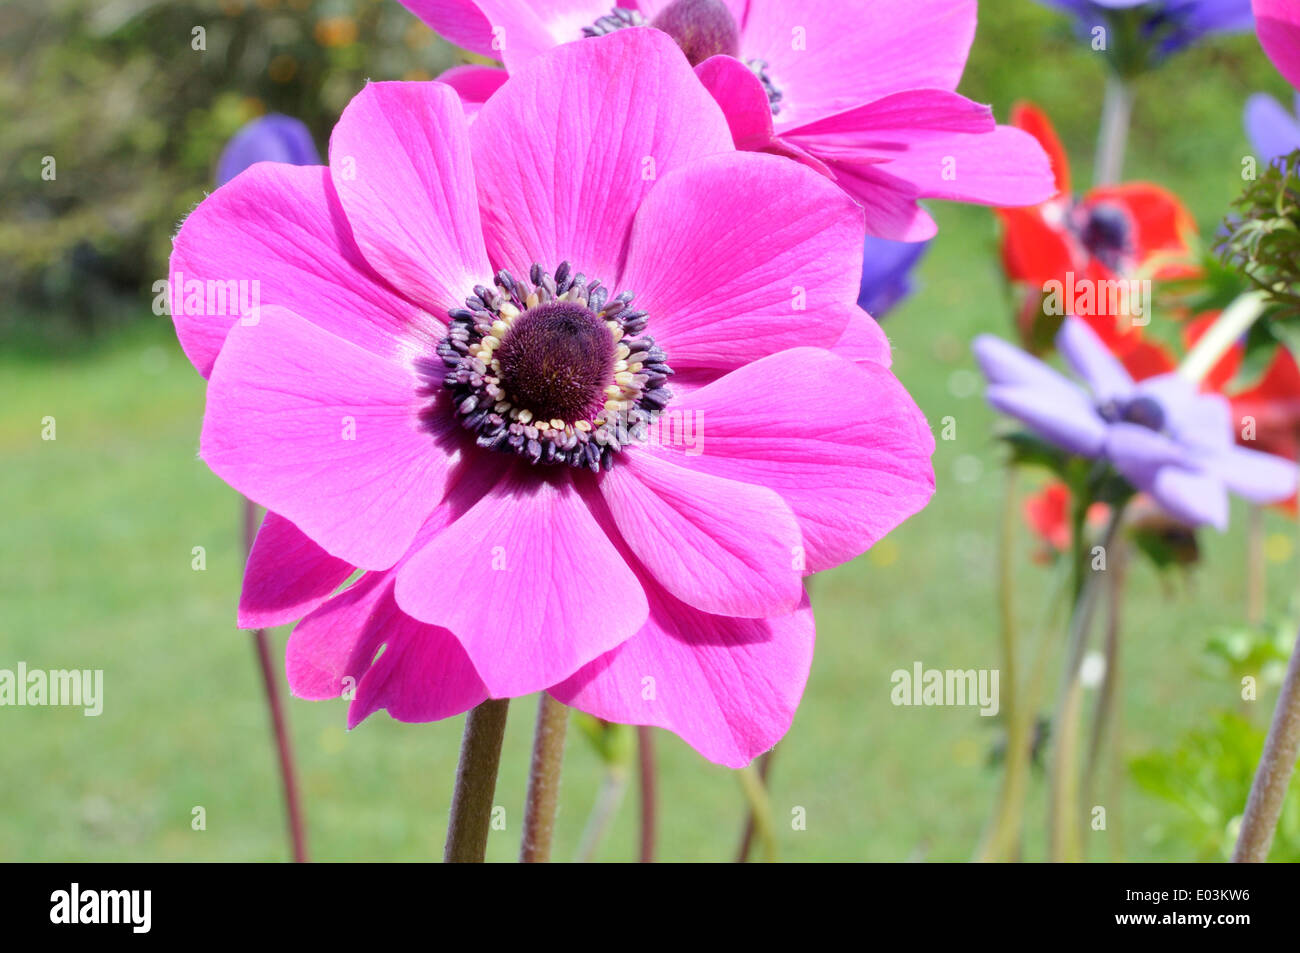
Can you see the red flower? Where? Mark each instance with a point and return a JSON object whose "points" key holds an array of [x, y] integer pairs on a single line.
{"points": [[1089, 242], [1047, 513]]}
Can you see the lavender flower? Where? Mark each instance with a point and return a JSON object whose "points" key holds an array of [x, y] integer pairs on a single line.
{"points": [[1161, 435], [1273, 130], [1158, 27], [887, 274], [269, 138]]}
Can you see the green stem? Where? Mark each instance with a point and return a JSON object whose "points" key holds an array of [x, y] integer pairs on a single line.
{"points": [[761, 809], [1104, 718], [1065, 820], [751, 822], [1273, 776], [649, 797], [1112, 139], [476, 783], [608, 799], [543, 799]]}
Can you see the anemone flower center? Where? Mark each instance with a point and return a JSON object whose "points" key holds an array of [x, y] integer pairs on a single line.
{"points": [[702, 28], [1143, 411], [558, 373], [1106, 233]]}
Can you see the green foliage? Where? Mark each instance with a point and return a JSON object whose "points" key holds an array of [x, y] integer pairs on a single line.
{"points": [[132, 102], [1206, 777]]}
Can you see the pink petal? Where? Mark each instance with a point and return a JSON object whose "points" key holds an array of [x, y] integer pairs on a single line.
{"points": [[941, 144], [287, 576], [610, 133], [864, 340], [423, 674], [1278, 23], [325, 434], [747, 278], [729, 687], [830, 55], [474, 84], [888, 202], [459, 21], [721, 546], [843, 444], [525, 29], [741, 96], [279, 229], [400, 161], [529, 581], [332, 648]]}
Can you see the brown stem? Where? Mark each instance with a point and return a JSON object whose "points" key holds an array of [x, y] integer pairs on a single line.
{"points": [[476, 783], [544, 781], [646, 744], [279, 721], [1276, 765]]}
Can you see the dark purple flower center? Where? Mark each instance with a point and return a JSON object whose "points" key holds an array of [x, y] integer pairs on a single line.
{"points": [[1143, 411], [557, 359], [559, 372], [702, 28], [1107, 234]]}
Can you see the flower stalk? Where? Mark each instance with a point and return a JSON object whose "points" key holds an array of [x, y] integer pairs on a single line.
{"points": [[279, 720], [1273, 776], [543, 798], [646, 750], [476, 783], [1112, 139], [1235, 321], [760, 810]]}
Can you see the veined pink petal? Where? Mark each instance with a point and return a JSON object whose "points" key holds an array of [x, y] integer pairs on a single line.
{"points": [[887, 126], [1278, 24], [327, 435], [475, 85], [332, 648], [610, 134], [830, 55], [276, 235], [744, 279], [729, 687], [1006, 168], [843, 444], [888, 201], [287, 575], [741, 96], [524, 29], [400, 162], [422, 675], [529, 581], [864, 340], [721, 546], [459, 21]]}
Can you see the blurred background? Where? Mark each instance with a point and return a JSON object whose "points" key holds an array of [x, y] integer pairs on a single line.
{"points": [[100, 524]]}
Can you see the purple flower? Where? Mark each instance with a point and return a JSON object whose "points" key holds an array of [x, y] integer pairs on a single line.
{"points": [[887, 273], [1163, 26], [1163, 436], [1273, 130], [270, 138]]}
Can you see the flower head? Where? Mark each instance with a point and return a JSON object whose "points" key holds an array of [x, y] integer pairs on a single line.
{"points": [[560, 382], [1082, 243], [887, 268], [863, 91], [1147, 31], [270, 138], [1274, 130], [1160, 434]]}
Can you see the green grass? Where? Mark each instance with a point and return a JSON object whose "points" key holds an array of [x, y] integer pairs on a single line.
{"points": [[100, 525]]}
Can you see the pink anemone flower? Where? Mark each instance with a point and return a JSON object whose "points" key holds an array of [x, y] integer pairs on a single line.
{"points": [[581, 390], [863, 91], [1278, 25]]}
